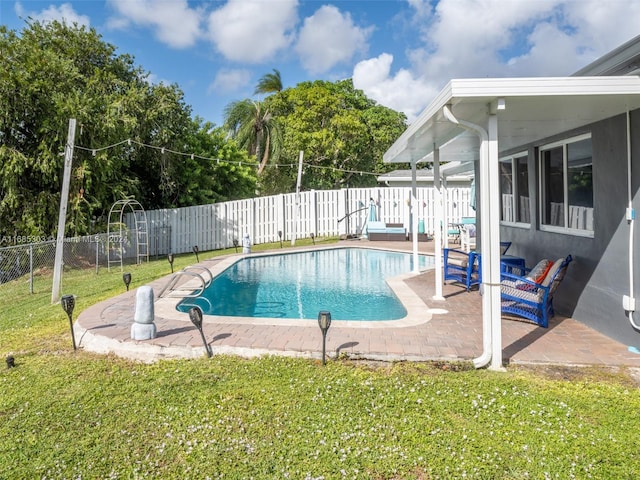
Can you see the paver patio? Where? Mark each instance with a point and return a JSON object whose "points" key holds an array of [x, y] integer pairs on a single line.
{"points": [[451, 330]]}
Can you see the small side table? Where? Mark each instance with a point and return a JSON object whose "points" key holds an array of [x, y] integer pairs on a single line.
{"points": [[512, 261]]}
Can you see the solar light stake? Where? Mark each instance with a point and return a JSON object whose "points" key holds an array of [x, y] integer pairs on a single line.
{"points": [[126, 278], [235, 244], [324, 321], [195, 315], [170, 259], [280, 235], [195, 250], [313, 238], [68, 303]]}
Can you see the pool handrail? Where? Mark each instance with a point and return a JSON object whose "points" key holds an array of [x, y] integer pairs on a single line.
{"points": [[203, 269], [173, 292]]}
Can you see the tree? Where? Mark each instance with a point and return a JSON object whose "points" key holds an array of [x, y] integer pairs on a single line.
{"points": [[228, 176], [269, 83], [343, 135], [255, 129], [52, 72]]}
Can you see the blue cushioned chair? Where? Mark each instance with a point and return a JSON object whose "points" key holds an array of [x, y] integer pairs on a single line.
{"points": [[461, 267], [525, 298]]}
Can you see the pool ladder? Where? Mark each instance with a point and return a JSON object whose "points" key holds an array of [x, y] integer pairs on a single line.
{"points": [[173, 290]]}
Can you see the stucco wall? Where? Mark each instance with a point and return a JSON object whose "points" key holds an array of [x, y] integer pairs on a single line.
{"points": [[598, 276]]}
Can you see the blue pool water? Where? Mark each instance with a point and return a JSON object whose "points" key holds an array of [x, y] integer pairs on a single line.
{"points": [[349, 282]]}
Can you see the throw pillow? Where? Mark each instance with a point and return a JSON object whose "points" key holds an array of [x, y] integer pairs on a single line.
{"points": [[540, 271]]}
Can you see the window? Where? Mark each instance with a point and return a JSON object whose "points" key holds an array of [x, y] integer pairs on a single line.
{"points": [[514, 189], [566, 189]]}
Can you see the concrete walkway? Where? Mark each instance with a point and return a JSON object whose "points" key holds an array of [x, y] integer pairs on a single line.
{"points": [[438, 330]]}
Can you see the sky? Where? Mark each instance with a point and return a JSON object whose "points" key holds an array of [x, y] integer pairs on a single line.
{"points": [[401, 53]]}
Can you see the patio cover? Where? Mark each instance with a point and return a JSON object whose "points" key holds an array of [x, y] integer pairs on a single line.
{"points": [[474, 120]]}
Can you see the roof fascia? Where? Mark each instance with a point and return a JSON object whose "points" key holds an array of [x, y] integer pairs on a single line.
{"points": [[614, 62], [489, 90]]}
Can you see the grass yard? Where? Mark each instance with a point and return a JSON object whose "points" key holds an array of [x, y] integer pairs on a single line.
{"points": [[78, 415]]}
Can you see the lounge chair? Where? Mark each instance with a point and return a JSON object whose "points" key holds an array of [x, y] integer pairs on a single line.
{"points": [[529, 293]]}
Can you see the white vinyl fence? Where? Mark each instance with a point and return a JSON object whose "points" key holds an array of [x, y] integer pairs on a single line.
{"points": [[211, 227], [318, 212]]}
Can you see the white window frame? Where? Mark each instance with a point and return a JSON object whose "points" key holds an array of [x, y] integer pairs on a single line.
{"points": [[514, 185], [541, 202]]}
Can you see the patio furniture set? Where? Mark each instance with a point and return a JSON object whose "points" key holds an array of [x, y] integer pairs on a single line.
{"points": [[525, 292]]}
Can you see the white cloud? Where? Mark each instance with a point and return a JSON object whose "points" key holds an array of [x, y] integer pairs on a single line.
{"points": [[63, 13], [253, 31], [174, 22], [230, 80], [402, 92], [497, 38], [328, 38], [421, 8]]}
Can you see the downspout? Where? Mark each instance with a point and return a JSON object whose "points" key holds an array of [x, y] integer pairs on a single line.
{"points": [[629, 302], [485, 358]]}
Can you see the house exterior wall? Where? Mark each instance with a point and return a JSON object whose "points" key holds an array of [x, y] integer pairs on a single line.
{"points": [[598, 277]]}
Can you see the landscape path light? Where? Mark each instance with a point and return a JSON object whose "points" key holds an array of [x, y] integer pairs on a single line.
{"points": [[313, 238], [195, 315], [235, 244], [196, 250], [280, 235], [68, 303], [126, 278], [170, 260], [324, 321]]}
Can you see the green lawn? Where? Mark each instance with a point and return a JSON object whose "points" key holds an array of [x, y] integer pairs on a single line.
{"points": [[78, 415]]}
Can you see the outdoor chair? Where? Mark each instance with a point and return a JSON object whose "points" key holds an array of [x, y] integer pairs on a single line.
{"points": [[467, 237], [467, 233], [461, 267], [528, 293]]}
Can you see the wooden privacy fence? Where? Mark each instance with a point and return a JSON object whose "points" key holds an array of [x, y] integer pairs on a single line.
{"points": [[319, 212]]}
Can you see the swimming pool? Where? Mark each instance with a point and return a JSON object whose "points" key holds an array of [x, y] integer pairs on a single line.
{"points": [[349, 282]]}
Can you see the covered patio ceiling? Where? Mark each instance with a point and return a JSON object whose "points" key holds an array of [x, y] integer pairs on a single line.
{"points": [[531, 109]]}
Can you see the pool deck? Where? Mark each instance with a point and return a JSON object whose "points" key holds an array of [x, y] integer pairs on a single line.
{"points": [[444, 330]]}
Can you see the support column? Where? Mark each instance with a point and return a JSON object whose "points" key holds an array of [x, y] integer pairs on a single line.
{"points": [[493, 211], [439, 223]]}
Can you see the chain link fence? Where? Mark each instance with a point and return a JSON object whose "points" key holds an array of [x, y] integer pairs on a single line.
{"points": [[27, 261]]}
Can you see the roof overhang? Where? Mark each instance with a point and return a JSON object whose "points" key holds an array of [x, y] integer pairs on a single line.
{"points": [[453, 171], [528, 110]]}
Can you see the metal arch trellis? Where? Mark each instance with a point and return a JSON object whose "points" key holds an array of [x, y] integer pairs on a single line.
{"points": [[117, 232]]}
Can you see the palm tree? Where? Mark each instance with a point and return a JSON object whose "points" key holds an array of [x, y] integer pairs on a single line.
{"points": [[254, 127], [269, 83]]}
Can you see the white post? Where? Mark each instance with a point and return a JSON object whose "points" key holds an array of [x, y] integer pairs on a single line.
{"points": [[414, 233], [62, 215], [439, 223], [492, 284], [298, 182], [413, 216]]}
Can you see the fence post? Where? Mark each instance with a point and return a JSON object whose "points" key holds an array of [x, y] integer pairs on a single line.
{"points": [[31, 268], [62, 215], [97, 253]]}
